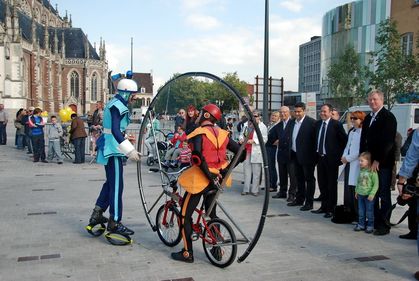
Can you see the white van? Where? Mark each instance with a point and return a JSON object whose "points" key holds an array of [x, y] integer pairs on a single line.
{"points": [[407, 115]]}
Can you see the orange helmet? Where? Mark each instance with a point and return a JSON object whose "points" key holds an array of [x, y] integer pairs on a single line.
{"points": [[213, 110]]}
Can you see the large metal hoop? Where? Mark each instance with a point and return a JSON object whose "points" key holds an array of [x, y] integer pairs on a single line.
{"points": [[147, 210]]}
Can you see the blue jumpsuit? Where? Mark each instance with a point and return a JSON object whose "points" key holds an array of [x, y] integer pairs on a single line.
{"points": [[115, 121]]}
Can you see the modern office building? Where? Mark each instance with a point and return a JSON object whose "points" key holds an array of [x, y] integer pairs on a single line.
{"points": [[353, 24], [309, 66]]}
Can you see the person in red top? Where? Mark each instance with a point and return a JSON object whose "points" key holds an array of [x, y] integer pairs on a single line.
{"points": [[209, 146]]}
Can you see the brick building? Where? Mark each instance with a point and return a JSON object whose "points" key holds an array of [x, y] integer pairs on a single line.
{"points": [[45, 62]]}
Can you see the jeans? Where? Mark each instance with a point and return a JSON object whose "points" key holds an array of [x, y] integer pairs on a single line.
{"points": [[79, 149], [3, 136], [417, 213], [38, 147], [19, 141], [365, 211]]}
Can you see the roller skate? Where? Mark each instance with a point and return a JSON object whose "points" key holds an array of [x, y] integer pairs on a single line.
{"points": [[97, 222], [118, 234]]}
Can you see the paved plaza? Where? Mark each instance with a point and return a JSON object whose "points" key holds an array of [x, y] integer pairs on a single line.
{"points": [[46, 206]]}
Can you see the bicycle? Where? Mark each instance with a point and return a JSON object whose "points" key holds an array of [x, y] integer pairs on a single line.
{"points": [[218, 238]]}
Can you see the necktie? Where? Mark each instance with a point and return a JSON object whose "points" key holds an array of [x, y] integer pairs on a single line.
{"points": [[321, 141], [372, 118]]}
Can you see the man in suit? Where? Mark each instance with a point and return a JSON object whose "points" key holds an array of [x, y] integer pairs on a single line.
{"points": [[303, 157], [283, 137], [377, 137], [331, 139], [271, 149]]}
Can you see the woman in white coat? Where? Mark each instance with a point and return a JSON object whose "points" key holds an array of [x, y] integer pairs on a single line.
{"points": [[350, 158], [254, 160]]}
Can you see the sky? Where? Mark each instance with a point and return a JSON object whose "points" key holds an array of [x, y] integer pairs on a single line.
{"points": [[215, 36]]}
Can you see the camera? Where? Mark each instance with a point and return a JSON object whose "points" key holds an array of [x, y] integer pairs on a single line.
{"points": [[410, 189]]}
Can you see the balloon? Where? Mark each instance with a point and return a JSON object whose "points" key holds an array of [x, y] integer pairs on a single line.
{"points": [[64, 115], [44, 114]]}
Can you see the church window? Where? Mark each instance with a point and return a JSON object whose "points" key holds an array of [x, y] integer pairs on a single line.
{"points": [[93, 87], [74, 84]]}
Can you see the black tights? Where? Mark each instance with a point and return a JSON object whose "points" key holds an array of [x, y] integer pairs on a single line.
{"points": [[190, 202]]}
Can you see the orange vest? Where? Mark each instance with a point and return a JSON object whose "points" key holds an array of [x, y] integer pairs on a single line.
{"points": [[214, 149], [214, 146]]}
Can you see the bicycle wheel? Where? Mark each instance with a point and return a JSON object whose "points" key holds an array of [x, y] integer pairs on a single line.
{"points": [[219, 242], [168, 225]]}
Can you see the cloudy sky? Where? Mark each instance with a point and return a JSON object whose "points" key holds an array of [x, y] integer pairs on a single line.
{"points": [[216, 36]]}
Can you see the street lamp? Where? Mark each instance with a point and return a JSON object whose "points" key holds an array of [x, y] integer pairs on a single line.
{"points": [[266, 65]]}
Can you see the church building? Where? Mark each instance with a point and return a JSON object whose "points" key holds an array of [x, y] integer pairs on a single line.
{"points": [[45, 62]]}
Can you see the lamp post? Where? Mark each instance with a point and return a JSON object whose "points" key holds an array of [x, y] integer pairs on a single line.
{"points": [[266, 65]]}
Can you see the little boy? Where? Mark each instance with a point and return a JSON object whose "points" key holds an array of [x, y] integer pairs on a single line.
{"points": [[54, 133]]}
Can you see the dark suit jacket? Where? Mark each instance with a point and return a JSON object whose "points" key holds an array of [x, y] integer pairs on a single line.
{"points": [[306, 142], [379, 138], [335, 141], [285, 139]]}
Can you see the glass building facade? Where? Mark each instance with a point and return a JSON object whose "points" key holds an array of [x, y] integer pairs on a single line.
{"points": [[353, 24], [309, 66]]}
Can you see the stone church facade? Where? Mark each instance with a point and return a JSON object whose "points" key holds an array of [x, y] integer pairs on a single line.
{"points": [[47, 63]]}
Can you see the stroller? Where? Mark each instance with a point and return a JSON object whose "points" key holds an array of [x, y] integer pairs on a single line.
{"points": [[162, 147]]}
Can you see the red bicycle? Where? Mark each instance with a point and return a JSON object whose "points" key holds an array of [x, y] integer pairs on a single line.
{"points": [[218, 238]]}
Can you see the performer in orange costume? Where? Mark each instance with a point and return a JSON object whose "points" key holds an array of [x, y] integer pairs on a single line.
{"points": [[209, 146]]}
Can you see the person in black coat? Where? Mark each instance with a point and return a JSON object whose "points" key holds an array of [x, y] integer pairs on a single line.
{"points": [[331, 140], [303, 156], [271, 150], [283, 137], [377, 137]]}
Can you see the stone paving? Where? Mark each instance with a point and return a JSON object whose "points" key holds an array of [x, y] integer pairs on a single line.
{"points": [[46, 206]]}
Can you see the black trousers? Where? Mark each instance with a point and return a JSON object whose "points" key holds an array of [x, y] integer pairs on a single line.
{"points": [[190, 201], [349, 193], [327, 177], [273, 174], [306, 182], [287, 170]]}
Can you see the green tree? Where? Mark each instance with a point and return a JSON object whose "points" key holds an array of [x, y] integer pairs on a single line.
{"points": [[190, 90], [396, 73], [347, 79]]}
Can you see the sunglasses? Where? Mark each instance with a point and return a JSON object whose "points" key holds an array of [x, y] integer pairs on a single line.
{"points": [[354, 118], [256, 116]]}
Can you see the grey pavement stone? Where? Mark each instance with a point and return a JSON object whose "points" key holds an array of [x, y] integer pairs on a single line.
{"points": [[301, 246]]}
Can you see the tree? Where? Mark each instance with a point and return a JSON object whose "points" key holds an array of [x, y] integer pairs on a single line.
{"points": [[197, 91], [396, 73], [347, 79]]}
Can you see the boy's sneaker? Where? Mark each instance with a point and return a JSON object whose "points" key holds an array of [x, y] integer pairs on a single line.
{"points": [[119, 228], [359, 228], [369, 230], [183, 255]]}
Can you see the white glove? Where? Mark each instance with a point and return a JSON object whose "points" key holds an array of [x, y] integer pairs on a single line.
{"points": [[134, 155], [129, 150]]}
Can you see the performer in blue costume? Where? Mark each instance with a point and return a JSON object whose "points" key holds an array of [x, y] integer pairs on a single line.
{"points": [[112, 148]]}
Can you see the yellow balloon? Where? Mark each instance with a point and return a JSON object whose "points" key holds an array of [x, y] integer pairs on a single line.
{"points": [[64, 115], [44, 114]]}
